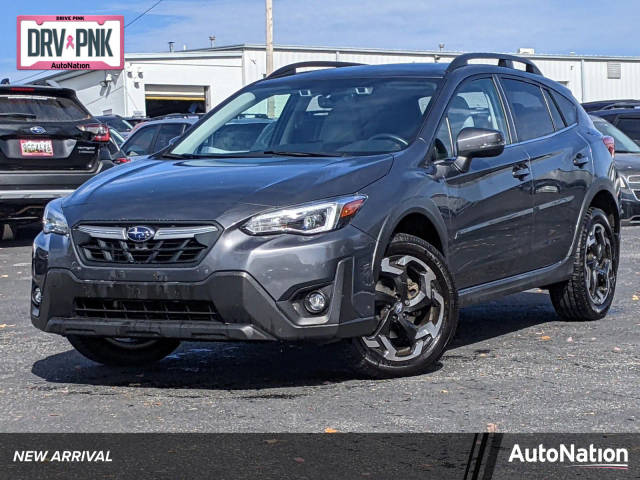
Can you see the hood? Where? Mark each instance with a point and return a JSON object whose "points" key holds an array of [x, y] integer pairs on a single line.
{"points": [[225, 190], [627, 163]]}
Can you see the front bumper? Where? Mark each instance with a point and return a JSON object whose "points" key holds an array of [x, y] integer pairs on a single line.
{"points": [[630, 207], [260, 301]]}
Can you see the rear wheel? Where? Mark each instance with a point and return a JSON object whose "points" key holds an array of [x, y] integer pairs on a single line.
{"points": [[123, 352], [417, 309], [588, 294]]}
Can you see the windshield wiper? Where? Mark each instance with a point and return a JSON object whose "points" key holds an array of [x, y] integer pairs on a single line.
{"points": [[284, 153], [17, 114], [181, 156]]}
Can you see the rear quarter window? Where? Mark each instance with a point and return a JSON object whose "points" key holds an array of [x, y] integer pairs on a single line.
{"points": [[40, 108], [567, 108]]}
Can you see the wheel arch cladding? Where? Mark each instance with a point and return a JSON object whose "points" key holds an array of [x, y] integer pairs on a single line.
{"points": [[605, 201], [421, 226]]}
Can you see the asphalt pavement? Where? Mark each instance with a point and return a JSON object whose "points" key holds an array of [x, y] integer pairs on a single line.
{"points": [[512, 367]]}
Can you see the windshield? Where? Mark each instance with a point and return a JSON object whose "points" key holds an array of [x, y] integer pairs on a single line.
{"points": [[354, 116], [27, 108], [623, 144]]}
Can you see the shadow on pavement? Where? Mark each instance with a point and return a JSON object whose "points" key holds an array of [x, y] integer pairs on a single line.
{"points": [[248, 366]]}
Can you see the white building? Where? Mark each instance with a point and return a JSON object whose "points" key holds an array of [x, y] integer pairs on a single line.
{"points": [[181, 81]]}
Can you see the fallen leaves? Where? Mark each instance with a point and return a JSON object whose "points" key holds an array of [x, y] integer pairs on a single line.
{"points": [[299, 459], [4, 325], [635, 298], [545, 338], [492, 427], [330, 430]]}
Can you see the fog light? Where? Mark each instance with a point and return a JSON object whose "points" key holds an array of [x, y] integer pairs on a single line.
{"points": [[315, 302], [37, 296]]}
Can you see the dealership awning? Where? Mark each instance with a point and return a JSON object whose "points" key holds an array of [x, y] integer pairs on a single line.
{"points": [[174, 92]]}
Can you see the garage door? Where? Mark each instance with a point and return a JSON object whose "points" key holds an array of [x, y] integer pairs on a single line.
{"points": [[174, 92], [167, 99]]}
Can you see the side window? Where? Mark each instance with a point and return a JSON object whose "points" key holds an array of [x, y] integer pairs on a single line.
{"points": [[140, 142], [567, 107], [166, 133], [476, 104], [558, 122], [530, 112]]}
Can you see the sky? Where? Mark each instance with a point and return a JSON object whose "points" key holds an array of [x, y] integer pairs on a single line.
{"points": [[586, 27]]}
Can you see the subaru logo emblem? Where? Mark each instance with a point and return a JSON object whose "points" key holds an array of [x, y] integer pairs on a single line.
{"points": [[140, 234], [38, 130]]}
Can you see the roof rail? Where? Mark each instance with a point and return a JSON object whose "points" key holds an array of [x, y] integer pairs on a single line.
{"points": [[627, 104], [504, 60], [291, 69]]}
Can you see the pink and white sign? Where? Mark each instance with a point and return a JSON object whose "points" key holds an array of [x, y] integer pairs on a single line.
{"points": [[70, 42]]}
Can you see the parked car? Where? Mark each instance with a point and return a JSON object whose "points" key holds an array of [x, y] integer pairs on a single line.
{"points": [[624, 116], [116, 137], [116, 122], [152, 136], [627, 159], [377, 202], [49, 145], [601, 104]]}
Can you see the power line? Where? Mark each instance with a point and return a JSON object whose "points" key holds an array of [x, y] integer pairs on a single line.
{"points": [[144, 13]]}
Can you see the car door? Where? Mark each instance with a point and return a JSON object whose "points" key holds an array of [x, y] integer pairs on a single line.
{"points": [[546, 125], [491, 209], [166, 133], [140, 142]]}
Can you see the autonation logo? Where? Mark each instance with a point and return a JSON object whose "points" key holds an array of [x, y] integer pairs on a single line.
{"points": [[572, 456]]}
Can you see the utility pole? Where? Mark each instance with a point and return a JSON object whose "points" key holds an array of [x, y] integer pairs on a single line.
{"points": [[271, 110], [269, 12]]}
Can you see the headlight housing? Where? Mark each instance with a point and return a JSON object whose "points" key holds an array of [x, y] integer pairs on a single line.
{"points": [[307, 219], [53, 220]]}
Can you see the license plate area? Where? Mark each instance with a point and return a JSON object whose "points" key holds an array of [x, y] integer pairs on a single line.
{"points": [[36, 148]]}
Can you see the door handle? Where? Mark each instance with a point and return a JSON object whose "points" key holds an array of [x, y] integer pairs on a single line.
{"points": [[580, 160], [520, 172]]}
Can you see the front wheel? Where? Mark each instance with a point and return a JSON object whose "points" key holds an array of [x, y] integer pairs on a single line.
{"points": [[588, 294], [123, 352], [416, 305]]}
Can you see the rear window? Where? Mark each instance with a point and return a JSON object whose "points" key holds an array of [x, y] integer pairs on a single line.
{"points": [[530, 112], [567, 107], [630, 126], [41, 108]]}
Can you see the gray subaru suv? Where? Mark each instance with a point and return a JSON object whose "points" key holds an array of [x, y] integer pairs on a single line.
{"points": [[364, 204]]}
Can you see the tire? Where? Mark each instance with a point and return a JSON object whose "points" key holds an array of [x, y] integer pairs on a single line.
{"points": [[123, 352], [576, 299], [9, 232], [431, 305]]}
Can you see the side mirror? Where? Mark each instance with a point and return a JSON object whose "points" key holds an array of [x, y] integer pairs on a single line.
{"points": [[475, 143]]}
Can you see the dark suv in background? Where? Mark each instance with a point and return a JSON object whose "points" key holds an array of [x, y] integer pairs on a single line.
{"points": [[624, 115], [373, 203], [49, 145]]}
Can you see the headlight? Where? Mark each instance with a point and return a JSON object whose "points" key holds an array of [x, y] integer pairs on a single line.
{"points": [[53, 220], [306, 219]]}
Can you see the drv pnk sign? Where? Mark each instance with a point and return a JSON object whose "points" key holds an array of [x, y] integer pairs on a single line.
{"points": [[70, 42]]}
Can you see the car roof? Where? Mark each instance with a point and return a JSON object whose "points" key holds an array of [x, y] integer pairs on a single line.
{"points": [[189, 120], [435, 70]]}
